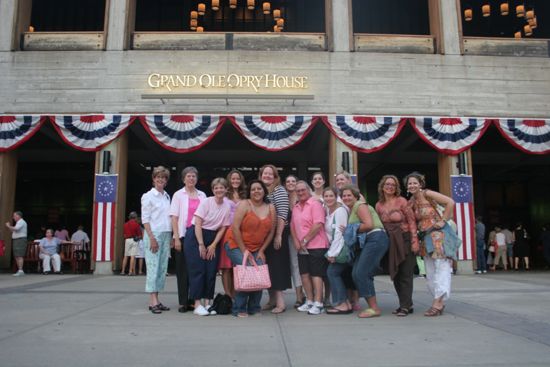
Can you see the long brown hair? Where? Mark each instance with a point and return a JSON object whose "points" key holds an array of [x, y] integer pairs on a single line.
{"points": [[381, 196], [241, 190]]}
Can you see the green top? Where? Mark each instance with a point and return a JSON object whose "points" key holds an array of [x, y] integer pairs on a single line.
{"points": [[354, 218]]}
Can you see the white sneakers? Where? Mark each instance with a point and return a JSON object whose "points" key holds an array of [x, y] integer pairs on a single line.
{"points": [[312, 308], [202, 311], [316, 309], [19, 273]]}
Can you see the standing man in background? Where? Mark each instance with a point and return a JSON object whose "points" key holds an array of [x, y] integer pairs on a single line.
{"points": [[19, 240]]}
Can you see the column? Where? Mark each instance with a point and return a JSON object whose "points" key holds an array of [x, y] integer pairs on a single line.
{"points": [[118, 151], [336, 153], [7, 26], [447, 166], [447, 14], [8, 176], [339, 26], [119, 22]]}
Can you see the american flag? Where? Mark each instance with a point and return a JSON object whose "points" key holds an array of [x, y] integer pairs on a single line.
{"points": [[462, 194], [104, 217]]}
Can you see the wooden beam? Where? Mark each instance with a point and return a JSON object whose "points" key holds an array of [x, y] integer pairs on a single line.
{"points": [[63, 41], [8, 180]]}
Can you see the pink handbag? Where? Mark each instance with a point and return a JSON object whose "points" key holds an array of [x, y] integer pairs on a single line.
{"points": [[251, 278]]}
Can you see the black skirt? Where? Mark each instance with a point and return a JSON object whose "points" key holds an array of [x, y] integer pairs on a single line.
{"points": [[278, 262]]}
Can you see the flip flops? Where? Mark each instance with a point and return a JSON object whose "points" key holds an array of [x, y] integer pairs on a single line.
{"points": [[368, 313], [336, 311]]}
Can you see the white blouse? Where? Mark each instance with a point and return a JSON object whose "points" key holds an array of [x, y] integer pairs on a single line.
{"points": [[332, 228], [155, 210]]}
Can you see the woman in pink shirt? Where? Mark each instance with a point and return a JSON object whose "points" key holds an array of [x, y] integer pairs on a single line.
{"points": [[201, 246], [184, 204]]}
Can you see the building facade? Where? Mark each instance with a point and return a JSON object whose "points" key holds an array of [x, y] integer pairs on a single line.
{"points": [[321, 70]]}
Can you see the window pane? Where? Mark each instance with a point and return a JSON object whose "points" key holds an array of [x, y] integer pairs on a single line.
{"points": [[174, 15], [67, 15], [391, 16]]}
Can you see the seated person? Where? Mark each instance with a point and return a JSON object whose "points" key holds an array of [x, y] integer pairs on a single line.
{"points": [[49, 252]]}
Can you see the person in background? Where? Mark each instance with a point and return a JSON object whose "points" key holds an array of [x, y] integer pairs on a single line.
{"points": [[62, 233], [80, 237], [521, 246], [290, 186], [480, 246], [311, 242], [509, 239], [49, 252], [400, 224], [19, 240], [132, 236], [201, 246], [252, 231], [155, 215], [235, 193], [277, 255], [431, 223], [184, 204], [500, 249]]}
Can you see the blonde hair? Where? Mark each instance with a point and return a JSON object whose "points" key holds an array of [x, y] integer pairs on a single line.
{"points": [[276, 177], [381, 196], [218, 181]]}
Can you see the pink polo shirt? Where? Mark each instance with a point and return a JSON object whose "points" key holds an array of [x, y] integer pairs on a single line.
{"points": [[306, 215]]}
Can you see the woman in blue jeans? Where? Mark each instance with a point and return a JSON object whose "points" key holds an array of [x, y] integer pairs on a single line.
{"points": [[373, 244], [252, 231]]}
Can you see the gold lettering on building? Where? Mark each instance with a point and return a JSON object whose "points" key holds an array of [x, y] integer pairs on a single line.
{"points": [[256, 83]]}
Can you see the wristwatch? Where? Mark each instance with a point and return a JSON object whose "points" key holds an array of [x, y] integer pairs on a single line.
{"points": [[304, 242]]}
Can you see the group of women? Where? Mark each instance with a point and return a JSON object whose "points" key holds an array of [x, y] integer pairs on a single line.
{"points": [[255, 219]]}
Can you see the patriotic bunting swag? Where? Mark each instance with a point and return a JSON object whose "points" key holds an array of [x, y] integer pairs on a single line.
{"points": [[182, 133], [15, 130], [273, 133], [530, 136], [364, 133], [450, 135], [90, 132], [462, 194], [104, 217]]}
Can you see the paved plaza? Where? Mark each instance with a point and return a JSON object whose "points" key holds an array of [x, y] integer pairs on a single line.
{"points": [[84, 320]]}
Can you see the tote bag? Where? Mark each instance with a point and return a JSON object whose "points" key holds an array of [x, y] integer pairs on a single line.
{"points": [[251, 278]]}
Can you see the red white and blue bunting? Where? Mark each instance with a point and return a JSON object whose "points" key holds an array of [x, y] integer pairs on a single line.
{"points": [[185, 133], [182, 133], [273, 133], [16, 129], [90, 132], [450, 135], [366, 134], [530, 136]]}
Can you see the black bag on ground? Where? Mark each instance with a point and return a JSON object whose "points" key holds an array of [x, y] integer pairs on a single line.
{"points": [[222, 304]]}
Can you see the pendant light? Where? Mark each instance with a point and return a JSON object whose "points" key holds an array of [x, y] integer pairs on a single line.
{"points": [[193, 24], [200, 29], [250, 4], [517, 34], [468, 15], [520, 11], [527, 30], [504, 9], [215, 5], [233, 4], [266, 7], [530, 14], [201, 8], [276, 14], [194, 14], [486, 10]]}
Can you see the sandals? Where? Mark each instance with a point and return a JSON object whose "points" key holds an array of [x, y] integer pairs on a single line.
{"points": [[268, 307], [434, 312], [369, 313], [402, 311], [278, 310], [337, 311], [155, 309]]}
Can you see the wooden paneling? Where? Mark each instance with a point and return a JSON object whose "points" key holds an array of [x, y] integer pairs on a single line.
{"points": [[506, 47], [178, 41], [237, 41], [394, 44], [63, 41]]}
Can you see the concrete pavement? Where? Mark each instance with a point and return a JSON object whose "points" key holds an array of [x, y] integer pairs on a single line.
{"points": [[84, 320]]}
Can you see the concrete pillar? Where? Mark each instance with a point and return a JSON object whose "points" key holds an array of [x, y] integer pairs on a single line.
{"points": [[118, 18], [335, 151], [450, 28], [339, 25], [447, 166], [8, 9], [119, 165], [8, 178]]}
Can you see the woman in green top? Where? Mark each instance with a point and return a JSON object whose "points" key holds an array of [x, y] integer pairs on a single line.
{"points": [[371, 251]]}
